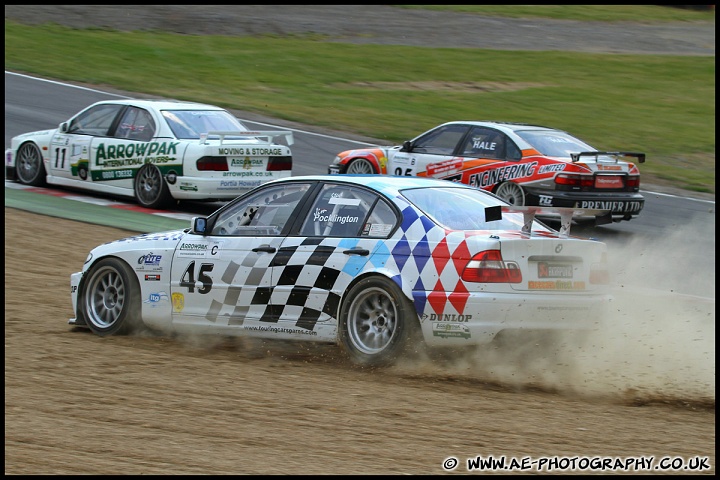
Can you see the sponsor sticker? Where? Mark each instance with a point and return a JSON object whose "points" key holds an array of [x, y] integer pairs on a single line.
{"points": [[149, 261], [178, 302], [193, 250], [451, 330], [157, 299]]}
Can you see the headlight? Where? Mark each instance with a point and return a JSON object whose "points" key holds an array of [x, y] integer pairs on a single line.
{"points": [[336, 161]]}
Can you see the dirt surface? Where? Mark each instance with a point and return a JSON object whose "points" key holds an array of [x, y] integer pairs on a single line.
{"points": [[80, 404], [642, 387]]}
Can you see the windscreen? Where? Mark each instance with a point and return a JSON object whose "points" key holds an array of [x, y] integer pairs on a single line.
{"points": [[554, 143], [464, 209], [190, 124]]}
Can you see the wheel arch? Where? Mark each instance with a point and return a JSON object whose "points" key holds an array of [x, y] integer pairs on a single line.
{"points": [[369, 158], [132, 317], [88, 268], [407, 292], [158, 317], [10, 169]]}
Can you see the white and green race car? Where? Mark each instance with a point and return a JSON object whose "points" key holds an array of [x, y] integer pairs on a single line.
{"points": [[157, 151]]}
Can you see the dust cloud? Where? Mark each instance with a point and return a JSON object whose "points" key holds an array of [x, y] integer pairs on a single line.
{"points": [[654, 344]]}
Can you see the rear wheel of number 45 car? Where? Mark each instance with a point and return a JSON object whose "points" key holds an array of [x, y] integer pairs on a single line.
{"points": [[151, 191], [110, 298], [378, 324], [29, 167]]}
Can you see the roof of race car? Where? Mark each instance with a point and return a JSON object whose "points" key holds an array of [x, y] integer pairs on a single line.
{"points": [[162, 104], [386, 184], [504, 126]]}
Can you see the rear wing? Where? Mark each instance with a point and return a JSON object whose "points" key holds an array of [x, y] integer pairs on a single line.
{"points": [[268, 136], [566, 214], [640, 156]]}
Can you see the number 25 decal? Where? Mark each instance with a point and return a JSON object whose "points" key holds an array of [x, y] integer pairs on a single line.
{"points": [[188, 278]]}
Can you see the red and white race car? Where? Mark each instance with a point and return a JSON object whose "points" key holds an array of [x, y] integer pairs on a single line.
{"points": [[526, 165]]}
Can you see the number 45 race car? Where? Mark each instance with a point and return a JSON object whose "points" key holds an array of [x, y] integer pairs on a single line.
{"points": [[156, 151], [525, 165]]}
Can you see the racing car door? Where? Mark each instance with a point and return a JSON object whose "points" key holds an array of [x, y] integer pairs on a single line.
{"points": [[70, 146], [224, 278], [339, 236], [431, 154], [117, 157], [489, 158]]}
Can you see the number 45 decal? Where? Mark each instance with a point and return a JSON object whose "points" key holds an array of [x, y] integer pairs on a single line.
{"points": [[188, 278]]}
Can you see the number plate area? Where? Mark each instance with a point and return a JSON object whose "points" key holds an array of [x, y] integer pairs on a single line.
{"points": [[609, 181], [554, 270]]}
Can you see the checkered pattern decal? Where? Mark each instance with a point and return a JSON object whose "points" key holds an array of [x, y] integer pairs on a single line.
{"points": [[311, 274]]}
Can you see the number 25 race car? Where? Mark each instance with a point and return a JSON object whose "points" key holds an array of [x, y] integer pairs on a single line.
{"points": [[525, 165], [156, 151]]}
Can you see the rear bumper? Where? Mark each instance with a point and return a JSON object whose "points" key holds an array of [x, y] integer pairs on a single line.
{"points": [[224, 188], [336, 168], [485, 315], [622, 205]]}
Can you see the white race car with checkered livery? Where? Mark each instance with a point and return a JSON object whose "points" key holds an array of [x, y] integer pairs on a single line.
{"points": [[381, 265], [157, 151]]}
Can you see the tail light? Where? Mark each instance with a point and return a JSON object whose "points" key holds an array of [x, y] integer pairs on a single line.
{"points": [[489, 267], [214, 164], [568, 181], [632, 183], [276, 164]]}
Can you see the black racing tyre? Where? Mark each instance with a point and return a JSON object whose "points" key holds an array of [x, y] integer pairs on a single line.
{"points": [[151, 191], [29, 166], [360, 165], [110, 298], [378, 324], [512, 193]]}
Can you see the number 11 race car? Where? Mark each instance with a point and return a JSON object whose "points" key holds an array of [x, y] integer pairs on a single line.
{"points": [[525, 165], [156, 151]]}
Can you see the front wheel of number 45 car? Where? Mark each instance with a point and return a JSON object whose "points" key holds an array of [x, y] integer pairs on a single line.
{"points": [[29, 168], [151, 191], [110, 298], [378, 324]]}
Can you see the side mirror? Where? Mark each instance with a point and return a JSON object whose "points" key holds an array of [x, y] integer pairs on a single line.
{"points": [[63, 127], [199, 225], [407, 146]]}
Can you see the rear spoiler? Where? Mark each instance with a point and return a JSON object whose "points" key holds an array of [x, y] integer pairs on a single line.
{"points": [[268, 135], [640, 156], [566, 214]]}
